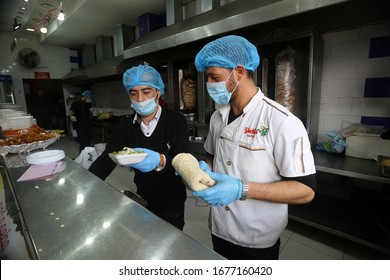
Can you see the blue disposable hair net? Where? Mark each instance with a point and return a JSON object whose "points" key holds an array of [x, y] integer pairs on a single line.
{"points": [[88, 93], [228, 52], [142, 75]]}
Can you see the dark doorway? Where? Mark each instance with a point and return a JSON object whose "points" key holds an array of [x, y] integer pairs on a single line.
{"points": [[45, 102]]}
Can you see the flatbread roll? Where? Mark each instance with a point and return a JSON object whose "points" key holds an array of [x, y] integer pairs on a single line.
{"points": [[187, 166]]}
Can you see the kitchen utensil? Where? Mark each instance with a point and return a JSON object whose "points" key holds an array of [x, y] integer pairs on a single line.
{"points": [[135, 197]]}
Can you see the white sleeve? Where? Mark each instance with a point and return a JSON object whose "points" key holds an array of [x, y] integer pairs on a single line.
{"points": [[209, 144], [292, 150]]}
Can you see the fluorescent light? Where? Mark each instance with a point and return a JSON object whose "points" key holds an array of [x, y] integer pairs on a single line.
{"points": [[61, 16], [30, 29], [17, 24]]}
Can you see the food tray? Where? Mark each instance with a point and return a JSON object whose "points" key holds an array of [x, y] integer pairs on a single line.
{"points": [[23, 148], [128, 158]]}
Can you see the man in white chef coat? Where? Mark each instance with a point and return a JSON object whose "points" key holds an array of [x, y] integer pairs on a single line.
{"points": [[257, 151]]}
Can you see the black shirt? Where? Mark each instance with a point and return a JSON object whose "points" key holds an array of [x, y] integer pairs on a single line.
{"points": [[169, 138], [81, 111]]}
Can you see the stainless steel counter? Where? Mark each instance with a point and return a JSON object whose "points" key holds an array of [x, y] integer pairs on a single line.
{"points": [[349, 166], [75, 215]]}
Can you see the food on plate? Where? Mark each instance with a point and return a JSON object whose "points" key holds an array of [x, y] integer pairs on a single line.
{"points": [[128, 156], [126, 151], [187, 166], [14, 132], [59, 131], [32, 134]]}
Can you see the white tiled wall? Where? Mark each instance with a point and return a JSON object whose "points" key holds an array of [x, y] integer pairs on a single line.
{"points": [[54, 60], [346, 66]]}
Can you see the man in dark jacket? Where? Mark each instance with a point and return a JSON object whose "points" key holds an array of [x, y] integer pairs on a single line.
{"points": [[80, 115], [162, 134]]}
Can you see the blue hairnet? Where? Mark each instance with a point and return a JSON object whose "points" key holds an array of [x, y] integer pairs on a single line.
{"points": [[88, 93], [228, 52], [142, 75]]}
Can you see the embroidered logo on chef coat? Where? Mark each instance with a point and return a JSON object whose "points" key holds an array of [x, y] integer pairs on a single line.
{"points": [[252, 132], [263, 130]]}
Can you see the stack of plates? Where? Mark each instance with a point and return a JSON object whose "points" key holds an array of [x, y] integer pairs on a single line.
{"points": [[45, 157]]}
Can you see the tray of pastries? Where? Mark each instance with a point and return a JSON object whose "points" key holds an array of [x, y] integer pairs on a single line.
{"points": [[28, 140]]}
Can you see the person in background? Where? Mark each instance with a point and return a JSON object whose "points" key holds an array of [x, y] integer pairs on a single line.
{"points": [[42, 108], [257, 151], [80, 114], [162, 134]]}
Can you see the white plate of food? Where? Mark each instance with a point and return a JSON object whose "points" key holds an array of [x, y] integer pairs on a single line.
{"points": [[127, 156], [45, 157]]}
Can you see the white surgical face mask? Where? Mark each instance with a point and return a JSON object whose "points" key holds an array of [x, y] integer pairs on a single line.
{"points": [[144, 108], [219, 93]]}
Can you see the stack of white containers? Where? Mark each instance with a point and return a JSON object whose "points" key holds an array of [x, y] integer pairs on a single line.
{"points": [[11, 119]]}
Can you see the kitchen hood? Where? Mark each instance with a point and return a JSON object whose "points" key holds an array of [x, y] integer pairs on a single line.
{"points": [[230, 17], [98, 59], [108, 68]]}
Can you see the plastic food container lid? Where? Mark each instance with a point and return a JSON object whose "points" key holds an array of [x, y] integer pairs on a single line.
{"points": [[45, 157]]}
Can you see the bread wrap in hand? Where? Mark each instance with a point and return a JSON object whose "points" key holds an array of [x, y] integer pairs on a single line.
{"points": [[187, 166]]}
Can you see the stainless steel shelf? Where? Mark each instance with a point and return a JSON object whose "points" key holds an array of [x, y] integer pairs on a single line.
{"points": [[349, 166], [352, 201]]}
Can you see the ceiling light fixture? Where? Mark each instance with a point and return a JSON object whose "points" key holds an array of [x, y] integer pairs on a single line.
{"points": [[61, 16], [43, 24], [17, 24]]}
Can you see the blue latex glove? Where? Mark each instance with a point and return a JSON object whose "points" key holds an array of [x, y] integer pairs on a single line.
{"points": [[150, 162], [204, 166], [227, 189]]}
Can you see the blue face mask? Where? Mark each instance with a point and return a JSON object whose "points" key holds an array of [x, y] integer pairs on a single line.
{"points": [[219, 93], [144, 108]]}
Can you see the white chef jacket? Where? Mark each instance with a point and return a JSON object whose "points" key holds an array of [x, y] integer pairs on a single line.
{"points": [[263, 144]]}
